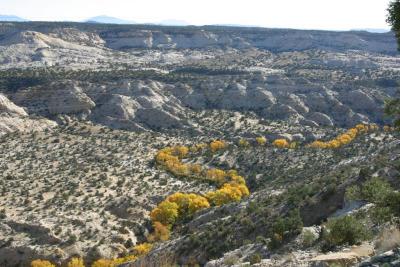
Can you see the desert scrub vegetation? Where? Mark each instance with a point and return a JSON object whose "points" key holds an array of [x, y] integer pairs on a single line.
{"points": [[379, 192], [179, 208], [284, 228], [345, 230]]}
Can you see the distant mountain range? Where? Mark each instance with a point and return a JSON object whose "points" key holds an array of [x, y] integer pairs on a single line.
{"points": [[109, 20], [372, 30], [173, 22], [113, 20], [11, 18], [170, 22]]}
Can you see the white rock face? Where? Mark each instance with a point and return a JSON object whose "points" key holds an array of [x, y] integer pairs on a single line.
{"points": [[242, 98], [321, 119], [142, 105], [359, 100], [6, 106], [274, 40], [14, 118], [271, 93], [118, 106], [157, 118]]}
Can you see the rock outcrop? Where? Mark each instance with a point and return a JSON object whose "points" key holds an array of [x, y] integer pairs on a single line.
{"points": [[14, 118]]}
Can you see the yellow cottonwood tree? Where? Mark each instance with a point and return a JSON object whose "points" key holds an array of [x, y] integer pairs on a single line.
{"points": [[166, 213], [42, 263], [188, 204], [160, 233], [103, 263], [261, 140], [230, 192], [281, 143], [76, 262], [217, 145], [244, 143], [142, 249], [195, 169], [180, 151], [216, 175]]}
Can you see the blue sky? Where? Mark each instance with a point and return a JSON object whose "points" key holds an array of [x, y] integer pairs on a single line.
{"points": [[303, 14]]}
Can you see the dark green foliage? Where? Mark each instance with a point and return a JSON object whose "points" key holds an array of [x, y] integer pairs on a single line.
{"points": [[393, 18], [297, 194], [255, 258], [13, 79], [392, 106], [375, 190], [209, 71], [392, 109], [392, 201], [346, 230], [380, 193], [285, 227]]}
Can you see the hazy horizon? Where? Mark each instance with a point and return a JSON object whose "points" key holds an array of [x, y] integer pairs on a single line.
{"points": [[307, 14]]}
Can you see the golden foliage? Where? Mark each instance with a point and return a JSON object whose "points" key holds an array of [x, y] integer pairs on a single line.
{"points": [[76, 262], [235, 177], [216, 175], [293, 145], [103, 263], [244, 143], [121, 260], [198, 147], [230, 192], [217, 145], [281, 143], [41, 263], [261, 140], [113, 262], [188, 204], [318, 144], [345, 138], [180, 151], [388, 128], [178, 205], [164, 156], [166, 213], [181, 205], [362, 127], [142, 249], [195, 169], [160, 233]]}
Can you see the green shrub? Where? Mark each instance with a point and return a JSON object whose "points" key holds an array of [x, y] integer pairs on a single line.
{"points": [[308, 238], [231, 260], [380, 193], [285, 226], [346, 230], [255, 258], [375, 190]]}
